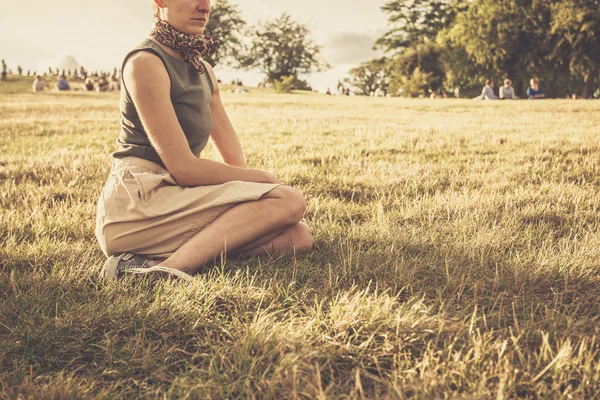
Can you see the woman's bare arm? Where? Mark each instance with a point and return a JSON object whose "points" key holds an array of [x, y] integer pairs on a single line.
{"points": [[148, 83], [223, 134]]}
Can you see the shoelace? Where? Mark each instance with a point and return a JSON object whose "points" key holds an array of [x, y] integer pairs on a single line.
{"points": [[131, 266]]}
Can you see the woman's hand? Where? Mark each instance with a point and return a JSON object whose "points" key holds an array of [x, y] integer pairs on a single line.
{"points": [[267, 177]]}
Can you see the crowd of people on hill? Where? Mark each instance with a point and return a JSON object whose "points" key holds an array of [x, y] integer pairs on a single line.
{"points": [[507, 91], [98, 81], [95, 81]]}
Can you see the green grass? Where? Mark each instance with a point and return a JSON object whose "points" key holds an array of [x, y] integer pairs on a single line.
{"points": [[457, 255]]}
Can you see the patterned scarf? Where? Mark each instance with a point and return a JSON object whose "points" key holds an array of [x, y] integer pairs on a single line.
{"points": [[192, 47]]}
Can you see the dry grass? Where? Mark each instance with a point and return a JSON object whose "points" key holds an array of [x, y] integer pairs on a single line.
{"points": [[457, 256]]}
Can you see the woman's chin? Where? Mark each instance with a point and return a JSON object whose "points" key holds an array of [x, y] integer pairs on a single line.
{"points": [[194, 29]]}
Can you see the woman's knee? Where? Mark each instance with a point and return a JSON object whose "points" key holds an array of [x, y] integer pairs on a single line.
{"points": [[291, 204]]}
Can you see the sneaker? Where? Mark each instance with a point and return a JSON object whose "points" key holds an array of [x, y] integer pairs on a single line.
{"points": [[129, 263]]}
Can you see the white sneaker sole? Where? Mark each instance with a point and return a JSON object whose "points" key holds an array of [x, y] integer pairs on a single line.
{"points": [[160, 270], [110, 270]]}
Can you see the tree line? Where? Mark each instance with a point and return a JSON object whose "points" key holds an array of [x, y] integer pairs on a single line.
{"points": [[434, 46], [439, 45]]}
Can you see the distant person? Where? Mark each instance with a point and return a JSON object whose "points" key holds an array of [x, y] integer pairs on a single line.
{"points": [[103, 84], [20, 70], [457, 93], [328, 92], [39, 84], [63, 83], [507, 92], [347, 92], [88, 85], [534, 91], [487, 93], [115, 83], [4, 79]]}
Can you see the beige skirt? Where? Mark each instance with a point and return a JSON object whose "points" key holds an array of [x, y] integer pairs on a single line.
{"points": [[142, 209]]}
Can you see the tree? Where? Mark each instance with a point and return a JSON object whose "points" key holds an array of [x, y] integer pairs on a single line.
{"points": [[501, 40], [415, 21], [282, 48], [413, 85], [225, 23], [461, 72], [555, 40], [577, 25], [419, 62], [370, 78]]}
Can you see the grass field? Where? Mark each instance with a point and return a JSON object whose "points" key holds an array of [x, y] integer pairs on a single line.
{"points": [[457, 255]]}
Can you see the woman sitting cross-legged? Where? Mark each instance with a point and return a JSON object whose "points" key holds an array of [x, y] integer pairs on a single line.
{"points": [[164, 210]]}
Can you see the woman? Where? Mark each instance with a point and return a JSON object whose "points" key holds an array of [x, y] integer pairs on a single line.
{"points": [[163, 209]]}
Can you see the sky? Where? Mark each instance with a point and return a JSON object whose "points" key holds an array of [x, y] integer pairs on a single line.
{"points": [[98, 34]]}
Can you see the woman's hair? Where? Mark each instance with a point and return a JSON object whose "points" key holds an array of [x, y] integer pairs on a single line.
{"points": [[156, 10]]}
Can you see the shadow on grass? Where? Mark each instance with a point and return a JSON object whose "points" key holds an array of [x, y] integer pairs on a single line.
{"points": [[235, 333]]}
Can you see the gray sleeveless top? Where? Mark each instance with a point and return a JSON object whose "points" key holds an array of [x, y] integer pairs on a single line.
{"points": [[190, 94]]}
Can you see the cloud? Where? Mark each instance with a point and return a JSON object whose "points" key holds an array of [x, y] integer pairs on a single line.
{"points": [[349, 48]]}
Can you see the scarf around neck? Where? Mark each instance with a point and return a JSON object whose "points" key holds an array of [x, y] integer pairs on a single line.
{"points": [[193, 48]]}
